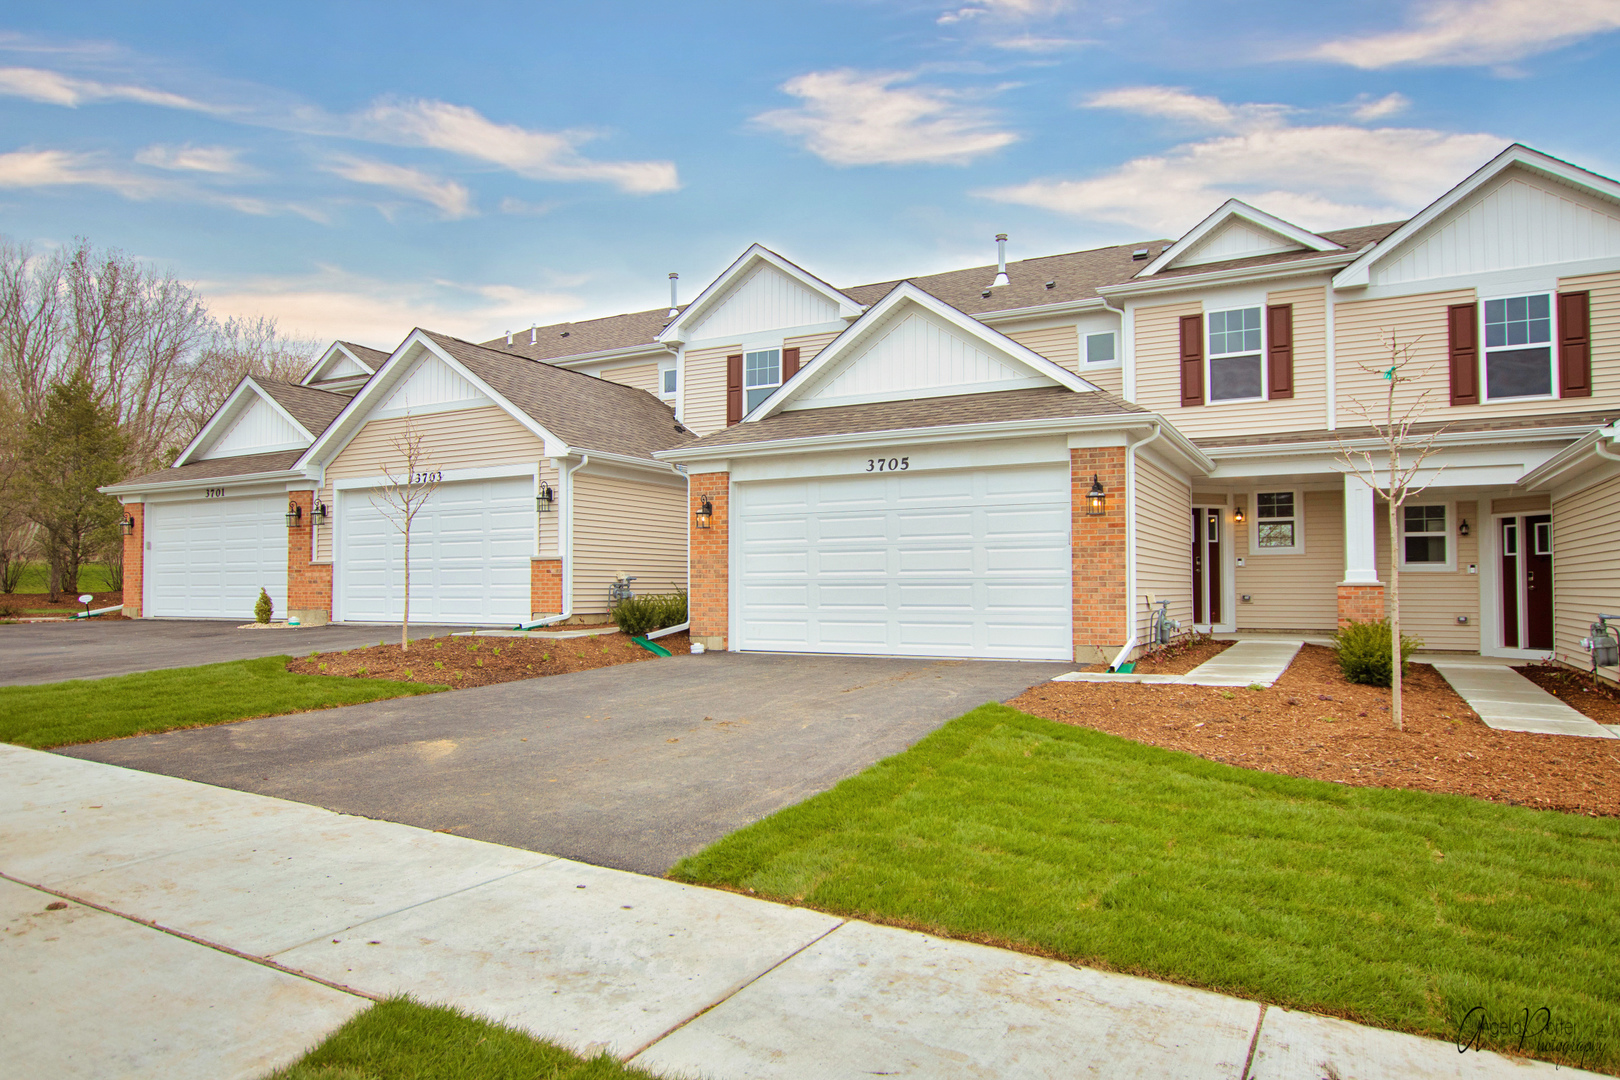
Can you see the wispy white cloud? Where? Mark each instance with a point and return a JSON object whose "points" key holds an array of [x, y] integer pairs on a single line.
{"points": [[1367, 108], [61, 168], [55, 88], [1004, 9], [452, 199], [217, 160], [525, 208], [1322, 176], [1465, 33], [1036, 43], [862, 118]]}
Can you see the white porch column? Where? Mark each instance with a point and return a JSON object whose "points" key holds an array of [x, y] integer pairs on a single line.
{"points": [[1360, 541]]}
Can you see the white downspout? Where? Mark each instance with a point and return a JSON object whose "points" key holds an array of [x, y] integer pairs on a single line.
{"points": [[1130, 544], [1127, 347], [565, 543]]}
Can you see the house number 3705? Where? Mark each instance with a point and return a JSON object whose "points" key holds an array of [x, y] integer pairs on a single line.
{"points": [[893, 464]]}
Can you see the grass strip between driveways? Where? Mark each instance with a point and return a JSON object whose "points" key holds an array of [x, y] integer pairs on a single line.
{"points": [[89, 710], [400, 1038], [1399, 909]]}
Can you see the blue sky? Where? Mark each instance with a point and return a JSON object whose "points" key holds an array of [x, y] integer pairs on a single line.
{"points": [[355, 169]]}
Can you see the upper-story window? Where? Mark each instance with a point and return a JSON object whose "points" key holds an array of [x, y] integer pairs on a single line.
{"points": [[1100, 348], [762, 374], [1518, 347], [668, 381], [1236, 372]]}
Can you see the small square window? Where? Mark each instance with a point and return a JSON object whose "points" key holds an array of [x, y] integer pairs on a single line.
{"points": [[667, 382], [1100, 348], [1424, 536], [1276, 522]]}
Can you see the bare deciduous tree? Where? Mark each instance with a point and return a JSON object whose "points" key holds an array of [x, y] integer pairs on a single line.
{"points": [[1404, 456], [232, 349], [412, 480]]}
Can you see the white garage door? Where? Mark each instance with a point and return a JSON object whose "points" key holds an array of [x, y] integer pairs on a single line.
{"points": [[470, 549], [970, 563], [208, 559]]}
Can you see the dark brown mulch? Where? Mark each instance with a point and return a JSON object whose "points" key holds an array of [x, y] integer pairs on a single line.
{"points": [[1176, 658], [1600, 702], [23, 603], [1316, 723], [482, 661]]}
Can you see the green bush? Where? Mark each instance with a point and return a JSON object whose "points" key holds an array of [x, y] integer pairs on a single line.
{"points": [[263, 609], [1363, 649], [642, 614]]}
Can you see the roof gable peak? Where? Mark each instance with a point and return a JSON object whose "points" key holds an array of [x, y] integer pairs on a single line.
{"points": [[791, 293], [1237, 230]]}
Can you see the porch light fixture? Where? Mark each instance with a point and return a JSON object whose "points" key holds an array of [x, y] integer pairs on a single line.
{"points": [[317, 514], [127, 523], [1462, 530], [295, 514], [1237, 515], [1097, 498], [545, 500], [705, 513]]}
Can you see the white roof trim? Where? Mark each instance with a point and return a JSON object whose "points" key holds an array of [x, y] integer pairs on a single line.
{"points": [[231, 409], [1359, 273], [676, 330], [328, 356], [901, 293], [1237, 208], [337, 436]]}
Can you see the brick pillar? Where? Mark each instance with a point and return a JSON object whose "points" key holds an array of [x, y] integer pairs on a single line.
{"points": [[1101, 608], [309, 584], [545, 587], [709, 598], [134, 561], [1360, 603]]}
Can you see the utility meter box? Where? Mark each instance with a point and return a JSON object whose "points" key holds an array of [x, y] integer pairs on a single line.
{"points": [[1602, 644]]}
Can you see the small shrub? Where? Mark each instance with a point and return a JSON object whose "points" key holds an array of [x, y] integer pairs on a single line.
{"points": [[409, 674], [322, 667], [439, 665], [1363, 649], [360, 671], [642, 614], [497, 650], [263, 609]]}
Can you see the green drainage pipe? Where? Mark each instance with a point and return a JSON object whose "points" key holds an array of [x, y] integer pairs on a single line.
{"points": [[652, 646], [1125, 669]]}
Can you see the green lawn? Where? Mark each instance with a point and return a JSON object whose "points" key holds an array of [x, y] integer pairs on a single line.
{"points": [[88, 710], [92, 579], [399, 1039], [1399, 909]]}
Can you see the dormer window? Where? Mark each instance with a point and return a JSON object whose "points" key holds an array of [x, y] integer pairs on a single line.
{"points": [[762, 374], [1236, 371]]}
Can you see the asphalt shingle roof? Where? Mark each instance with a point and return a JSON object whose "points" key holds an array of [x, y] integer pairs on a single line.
{"points": [[315, 409], [1353, 240], [241, 465]]}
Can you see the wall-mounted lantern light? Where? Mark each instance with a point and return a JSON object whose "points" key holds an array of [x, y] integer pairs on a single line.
{"points": [[295, 514], [317, 514], [705, 513], [128, 524], [545, 501], [1237, 515], [1097, 498], [1462, 530]]}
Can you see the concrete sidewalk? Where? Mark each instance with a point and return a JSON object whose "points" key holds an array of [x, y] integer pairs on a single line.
{"points": [[236, 930], [1250, 662], [1507, 701]]}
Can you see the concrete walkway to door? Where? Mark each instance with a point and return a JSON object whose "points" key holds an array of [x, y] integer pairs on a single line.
{"points": [[1249, 662], [1507, 701]]}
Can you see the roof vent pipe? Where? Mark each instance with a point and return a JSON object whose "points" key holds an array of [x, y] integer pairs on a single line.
{"points": [[509, 337], [1001, 260], [531, 333], [674, 309]]}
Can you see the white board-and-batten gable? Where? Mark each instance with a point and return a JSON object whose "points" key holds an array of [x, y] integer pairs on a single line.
{"points": [[251, 425], [431, 386], [911, 345], [1236, 231], [337, 364], [757, 294]]}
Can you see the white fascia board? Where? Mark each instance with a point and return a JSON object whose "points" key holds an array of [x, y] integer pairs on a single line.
{"points": [[328, 356], [152, 487], [676, 330], [1359, 273], [1444, 439], [654, 351], [1043, 311], [623, 460], [1578, 454], [1263, 272], [233, 408], [902, 293], [1237, 208]]}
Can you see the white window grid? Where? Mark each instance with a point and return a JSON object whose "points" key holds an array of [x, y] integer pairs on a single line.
{"points": [[1234, 332], [1283, 510], [1436, 519], [1524, 321]]}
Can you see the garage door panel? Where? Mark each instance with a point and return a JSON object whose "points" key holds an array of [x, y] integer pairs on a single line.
{"points": [[950, 636], [934, 560], [208, 558], [852, 528], [777, 562], [937, 525], [843, 633], [865, 562]]}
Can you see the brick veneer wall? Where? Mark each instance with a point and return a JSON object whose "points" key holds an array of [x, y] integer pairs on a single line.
{"points": [[1098, 553], [309, 585], [709, 599], [1360, 603], [134, 561], [545, 587]]}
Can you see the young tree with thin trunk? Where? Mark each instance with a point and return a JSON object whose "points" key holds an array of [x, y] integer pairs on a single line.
{"points": [[412, 480], [1404, 455]]}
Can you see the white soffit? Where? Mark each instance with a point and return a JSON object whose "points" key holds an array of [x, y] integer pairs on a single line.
{"points": [[1236, 231], [761, 291]]}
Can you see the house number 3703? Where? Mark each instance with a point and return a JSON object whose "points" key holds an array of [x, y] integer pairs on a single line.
{"points": [[426, 477], [892, 464]]}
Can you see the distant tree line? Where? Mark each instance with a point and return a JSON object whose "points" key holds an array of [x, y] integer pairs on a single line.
{"points": [[108, 368]]}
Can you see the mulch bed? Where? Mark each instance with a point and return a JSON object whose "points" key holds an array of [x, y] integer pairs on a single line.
{"points": [[483, 661], [1317, 724], [22, 605], [1600, 703], [1176, 658]]}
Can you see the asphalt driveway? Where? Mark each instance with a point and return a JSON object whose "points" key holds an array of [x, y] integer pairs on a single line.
{"points": [[630, 767], [49, 652]]}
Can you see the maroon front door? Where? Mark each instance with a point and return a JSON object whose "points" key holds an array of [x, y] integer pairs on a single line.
{"points": [[1538, 582], [1510, 583], [1206, 565]]}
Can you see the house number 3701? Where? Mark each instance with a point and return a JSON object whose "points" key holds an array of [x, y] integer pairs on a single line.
{"points": [[892, 464]]}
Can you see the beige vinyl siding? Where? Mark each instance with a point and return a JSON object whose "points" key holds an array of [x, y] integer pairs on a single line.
{"points": [[463, 439], [1059, 344], [1163, 544], [1296, 590], [626, 525], [1521, 504], [1431, 600], [1586, 567], [1158, 371], [1109, 377], [640, 376], [809, 345], [703, 404]]}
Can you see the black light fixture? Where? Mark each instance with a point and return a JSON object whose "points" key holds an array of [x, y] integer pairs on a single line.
{"points": [[128, 524], [1097, 497], [1237, 515], [317, 514], [1462, 530], [705, 513], [545, 500], [295, 514]]}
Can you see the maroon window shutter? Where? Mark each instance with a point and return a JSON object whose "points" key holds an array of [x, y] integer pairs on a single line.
{"points": [[1192, 360], [1574, 345], [1280, 351], [734, 393], [1463, 329], [790, 363]]}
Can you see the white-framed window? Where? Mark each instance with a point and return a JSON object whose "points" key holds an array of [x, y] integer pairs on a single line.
{"points": [[1518, 347], [1541, 538], [668, 379], [1235, 370], [762, 374], [1278, 526], [1426, 537], [1101, 349]]}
